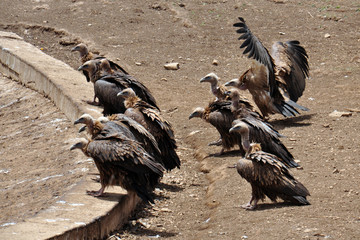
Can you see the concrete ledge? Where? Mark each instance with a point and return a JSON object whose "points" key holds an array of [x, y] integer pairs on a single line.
{"points": [[76, 215]]}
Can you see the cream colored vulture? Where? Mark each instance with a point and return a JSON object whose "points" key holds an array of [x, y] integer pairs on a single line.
{"points": [[275, 81], [217, 89], [268, 176], [150, 117], [121, 161]]}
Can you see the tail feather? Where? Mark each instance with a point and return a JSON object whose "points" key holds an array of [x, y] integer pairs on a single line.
{"points": [[295, 105], [301, 200]]}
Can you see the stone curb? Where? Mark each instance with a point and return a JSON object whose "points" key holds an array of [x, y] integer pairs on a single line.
{"points": [[76, 215]]}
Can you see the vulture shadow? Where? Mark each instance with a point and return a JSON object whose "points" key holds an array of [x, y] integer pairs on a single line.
{"points": [[170, 187], [280, 124], [267, 206], [112, 197], [144, 233], [231, 153]]}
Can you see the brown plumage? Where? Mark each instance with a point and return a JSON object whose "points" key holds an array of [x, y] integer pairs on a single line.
{"points": [[120, 161], [268, 176], [108, 83], [86, 55], [218, 90], [263, 133], [219, 115], [275, 86], [150, 118]]}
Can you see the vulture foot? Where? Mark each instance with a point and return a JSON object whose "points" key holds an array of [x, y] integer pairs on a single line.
{"points": [[94, 103], [248, 206], [216, 143], [96, 193]]}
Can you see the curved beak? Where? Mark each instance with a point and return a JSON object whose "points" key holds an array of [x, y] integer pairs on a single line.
{"points": [[80, 120], [75, 146], [204, 79], [234, 129], [75, 49]]}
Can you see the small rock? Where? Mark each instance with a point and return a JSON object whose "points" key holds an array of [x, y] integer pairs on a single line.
{"points": [[163, 79], [299, 168], [172, 66], [336, 170], [215, 62], [138, 63], [297, 160], [307, 230], [340, 114], [281, 33], [331, 187], [353, 110], [165, 210], [327, 35], [326, 125], [194, 132]]}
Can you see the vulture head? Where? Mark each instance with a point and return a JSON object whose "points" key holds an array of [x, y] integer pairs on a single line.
{"points": [[233, 93], [86, 119], [233, 83], [105, 66], [90, 66], [211, 78], [81, 48], [198, 112], [127, 93], [80, 145], [240, 127]]}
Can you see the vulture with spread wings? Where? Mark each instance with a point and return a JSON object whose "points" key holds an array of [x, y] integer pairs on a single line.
{"points": [[275, 81]]}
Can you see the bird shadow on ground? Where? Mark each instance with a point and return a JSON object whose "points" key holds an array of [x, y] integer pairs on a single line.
{"points": [[232, 153], [143, 232], [280, 124], [170, 187], [112, 197], [267, 206]]}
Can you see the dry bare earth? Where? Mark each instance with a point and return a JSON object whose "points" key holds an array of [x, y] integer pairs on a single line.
{"points": [[202, 199]]}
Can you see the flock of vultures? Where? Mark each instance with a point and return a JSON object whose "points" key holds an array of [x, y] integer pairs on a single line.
{"points": [[132, 144]]}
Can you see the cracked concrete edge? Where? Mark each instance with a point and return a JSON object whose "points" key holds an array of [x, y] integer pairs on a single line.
{"points": [[58, 81]]}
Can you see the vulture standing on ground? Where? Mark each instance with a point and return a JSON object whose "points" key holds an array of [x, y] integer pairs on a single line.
{"points": [[129, 128], [108, 83], [86, 55], [149, 116], [120, 161], [260, 130], [218, 114], [273, 76], [268, 176]]}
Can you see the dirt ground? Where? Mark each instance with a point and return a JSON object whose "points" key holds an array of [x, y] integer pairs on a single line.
{"points": [[201, 200]]}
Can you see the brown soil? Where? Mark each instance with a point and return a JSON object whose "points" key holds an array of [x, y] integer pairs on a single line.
{"points": [[202, 199]]}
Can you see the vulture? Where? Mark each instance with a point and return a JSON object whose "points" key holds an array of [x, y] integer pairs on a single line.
{"points": [[268, 176], [219, 115], [86, 55], [120, 161], [149, 116], [275, 81], [217, 89], [263, 133], [129, 128], [107, 83]]}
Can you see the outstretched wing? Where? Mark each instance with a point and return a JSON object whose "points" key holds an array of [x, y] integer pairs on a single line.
{"points": [[256, 50], [291, 60]]}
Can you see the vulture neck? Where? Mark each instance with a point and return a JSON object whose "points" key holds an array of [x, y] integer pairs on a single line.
{"points": [[130, 102]]}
